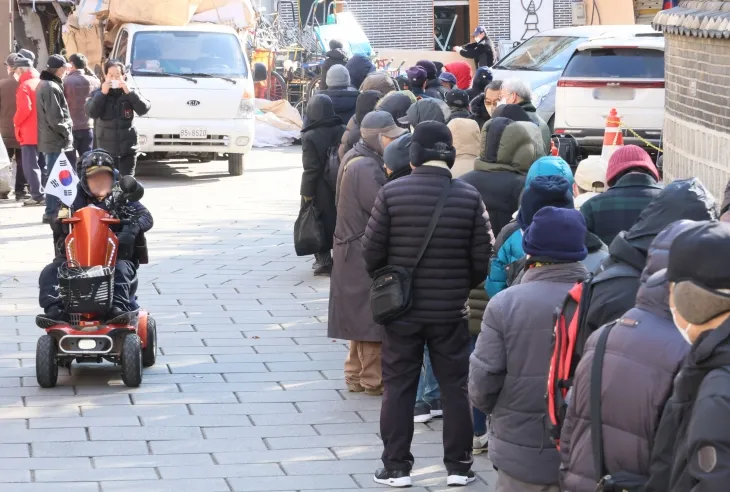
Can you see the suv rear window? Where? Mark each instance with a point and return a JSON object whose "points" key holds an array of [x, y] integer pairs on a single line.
{"points": [[617, 63]]}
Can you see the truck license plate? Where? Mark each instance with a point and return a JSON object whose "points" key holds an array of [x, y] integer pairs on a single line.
{"points": [[193, 133]]}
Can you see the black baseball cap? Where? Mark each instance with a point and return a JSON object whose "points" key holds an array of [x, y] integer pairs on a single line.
{"points": [[699, 255], [457, 98], [57, 61]]}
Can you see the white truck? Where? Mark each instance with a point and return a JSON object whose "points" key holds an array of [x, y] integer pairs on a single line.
{"points": [[200, 85]]}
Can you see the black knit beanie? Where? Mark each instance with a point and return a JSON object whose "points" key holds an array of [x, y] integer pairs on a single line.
{"points": [[432, 141]]}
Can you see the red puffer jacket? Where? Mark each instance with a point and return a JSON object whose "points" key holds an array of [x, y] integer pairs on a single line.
{"points": [[26, 114], [462, 72]]}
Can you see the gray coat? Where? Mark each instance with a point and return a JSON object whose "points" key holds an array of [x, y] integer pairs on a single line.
{"points": [[361, 175], [509, 368], [639, 367], [55, 128]]}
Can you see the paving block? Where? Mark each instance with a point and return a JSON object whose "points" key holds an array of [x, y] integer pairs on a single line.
{"points": [[157, 433], [14, 476], [13, 451], [243, 408], [153, 460], [352, 428], [284, 431], [185, 398], [312, 482], [200, 485], [289, 396], [220, 471], [95, 475], [42, 435], [78, 400], [272, 376], [324, 441], [88, 448], [207, 446], [219, 368], [44, 464], [55, 487], [307, 418], [135, 410], [374, 452], [276, 456], [372, 403], [231, 387], [196, 421], [344, 467]]}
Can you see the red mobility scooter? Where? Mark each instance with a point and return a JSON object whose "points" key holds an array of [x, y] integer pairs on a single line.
{"points": [[86, 283]]}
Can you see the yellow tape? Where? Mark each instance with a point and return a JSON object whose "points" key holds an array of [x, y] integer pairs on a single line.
{"points": [[648, 144]]}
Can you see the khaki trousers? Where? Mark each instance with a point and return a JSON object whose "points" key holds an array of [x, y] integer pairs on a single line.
{"points": [[362, 365]]}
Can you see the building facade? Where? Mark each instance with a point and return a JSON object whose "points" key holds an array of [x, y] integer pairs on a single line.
{"points": [[411, 24], [697, 110]]}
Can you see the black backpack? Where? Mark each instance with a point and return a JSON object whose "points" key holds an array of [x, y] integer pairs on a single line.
{"points": [[568, 149], [569, 339]]}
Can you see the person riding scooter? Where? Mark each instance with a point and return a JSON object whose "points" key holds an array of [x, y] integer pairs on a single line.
{"points": [[99, 187]]}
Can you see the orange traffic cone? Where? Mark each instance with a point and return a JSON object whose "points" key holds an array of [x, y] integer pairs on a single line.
{"points": [[613, 138]]}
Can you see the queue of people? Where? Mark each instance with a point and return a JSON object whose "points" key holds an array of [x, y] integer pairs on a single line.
{"points": [[458, 224], [64, 109]]}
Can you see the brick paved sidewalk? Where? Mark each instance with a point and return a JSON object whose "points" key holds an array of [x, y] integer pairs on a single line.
{"points": [[247, 393]]}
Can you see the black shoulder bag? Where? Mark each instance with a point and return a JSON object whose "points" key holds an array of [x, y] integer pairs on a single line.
{"points": [[620, 481], [390, 292]]}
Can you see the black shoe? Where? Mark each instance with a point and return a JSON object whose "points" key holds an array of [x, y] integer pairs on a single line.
{"points": [[323, 271], [459, 479], [437, 411], [422, 413], [392, 478], [119, 316]]}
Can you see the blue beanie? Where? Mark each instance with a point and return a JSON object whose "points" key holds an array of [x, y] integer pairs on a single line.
{"points": [[556, 234], [549, 166], [544, 191]]}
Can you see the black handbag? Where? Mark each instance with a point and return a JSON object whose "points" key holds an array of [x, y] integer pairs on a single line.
{"points": [[620, 481], [308, 231], [390, 292]]}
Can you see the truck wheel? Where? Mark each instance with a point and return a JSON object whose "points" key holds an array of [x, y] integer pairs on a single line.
{"points": [[149, 353], [46, 365], [235, 164], [132, 360]]}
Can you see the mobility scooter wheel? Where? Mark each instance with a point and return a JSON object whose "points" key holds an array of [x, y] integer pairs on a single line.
{"points": [[149, 353], [46, 365], [131, 359]]}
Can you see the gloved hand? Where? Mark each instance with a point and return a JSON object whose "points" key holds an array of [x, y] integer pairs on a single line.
{"points": [[127, 237]]}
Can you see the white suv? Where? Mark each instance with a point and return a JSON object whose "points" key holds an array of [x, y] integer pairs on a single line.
{"points": [[626, 73]]}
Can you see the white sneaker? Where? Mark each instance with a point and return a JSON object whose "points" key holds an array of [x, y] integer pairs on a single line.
{"points": [[460, 479], [479, 444]]}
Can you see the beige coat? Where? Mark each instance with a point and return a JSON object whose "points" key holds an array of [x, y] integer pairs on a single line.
{"points": [[466, 140]]}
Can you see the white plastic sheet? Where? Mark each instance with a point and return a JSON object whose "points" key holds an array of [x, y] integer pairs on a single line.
{"points": [[278, 124]]}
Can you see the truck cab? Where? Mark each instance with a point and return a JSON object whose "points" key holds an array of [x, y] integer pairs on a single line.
{"points": [[199, 83]]}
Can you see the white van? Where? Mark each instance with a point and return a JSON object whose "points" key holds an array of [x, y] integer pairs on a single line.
{"points": [[200, 85]]}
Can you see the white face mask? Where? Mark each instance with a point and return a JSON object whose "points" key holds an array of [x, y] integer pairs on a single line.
{"points": [[682, 331], [501, 102]]}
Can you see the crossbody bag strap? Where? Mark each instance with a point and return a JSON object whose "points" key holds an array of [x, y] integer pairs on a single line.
{"points": [[434, 220], [596, 421]]}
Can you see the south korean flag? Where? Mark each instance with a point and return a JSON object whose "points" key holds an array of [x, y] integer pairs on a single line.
{"points": [[62, 181]]}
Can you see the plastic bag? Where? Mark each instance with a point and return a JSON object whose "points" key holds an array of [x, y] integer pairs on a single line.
{"points": [[308, 231], [5, 179]]}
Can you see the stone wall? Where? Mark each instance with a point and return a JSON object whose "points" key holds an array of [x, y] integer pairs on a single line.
{"points": [[697, 113]]}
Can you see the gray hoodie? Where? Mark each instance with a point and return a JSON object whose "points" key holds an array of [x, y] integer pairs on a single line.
{"points": [[509, 368]]}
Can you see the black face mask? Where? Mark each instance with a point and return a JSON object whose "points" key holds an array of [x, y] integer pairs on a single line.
{"points": [[116, 92]]}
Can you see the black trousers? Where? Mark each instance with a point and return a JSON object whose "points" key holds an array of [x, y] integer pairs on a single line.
{"points": [[125, 285], [402, 358], [126, 164], [19, 174]]}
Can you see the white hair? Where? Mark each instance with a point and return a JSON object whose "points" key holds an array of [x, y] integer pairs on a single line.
{"points": [[519, 87], [24, 69]]}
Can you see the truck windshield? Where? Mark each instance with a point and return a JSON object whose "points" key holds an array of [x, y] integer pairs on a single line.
{"points": [[541, 53], [187, 52]]}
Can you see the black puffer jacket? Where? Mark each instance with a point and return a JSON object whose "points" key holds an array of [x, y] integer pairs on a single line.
{"points": [[365, 103], [323, 132], [113, 116], [332, 58], [55, 128], [457, 257], [344, 100], [478, 110], [359, 67], [682, 199], [692, 451], [395, 103], [639, 367], [435, 89]]}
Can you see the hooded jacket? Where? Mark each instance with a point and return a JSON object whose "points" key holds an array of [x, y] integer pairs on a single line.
{"points": [[365, 103], [482, 78], [395, 103], [324, 131], [463, 73], [360, 178], [478, 110], [113, 115], [691, 445], [481, 52], [26, 113], [435, 89], [617, 208], [332, 58], [77, 86], [681, 199], [54, 119], [507, 150], [379, 81], [509, 368], [466, 137], [359, 67], [643, 354], [456, 258]]}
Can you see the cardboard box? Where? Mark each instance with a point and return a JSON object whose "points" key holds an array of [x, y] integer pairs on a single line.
{"points": [[158, 12]]}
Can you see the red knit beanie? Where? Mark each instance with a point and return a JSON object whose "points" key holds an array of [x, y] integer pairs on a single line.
{"points": [[627, 157]]}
